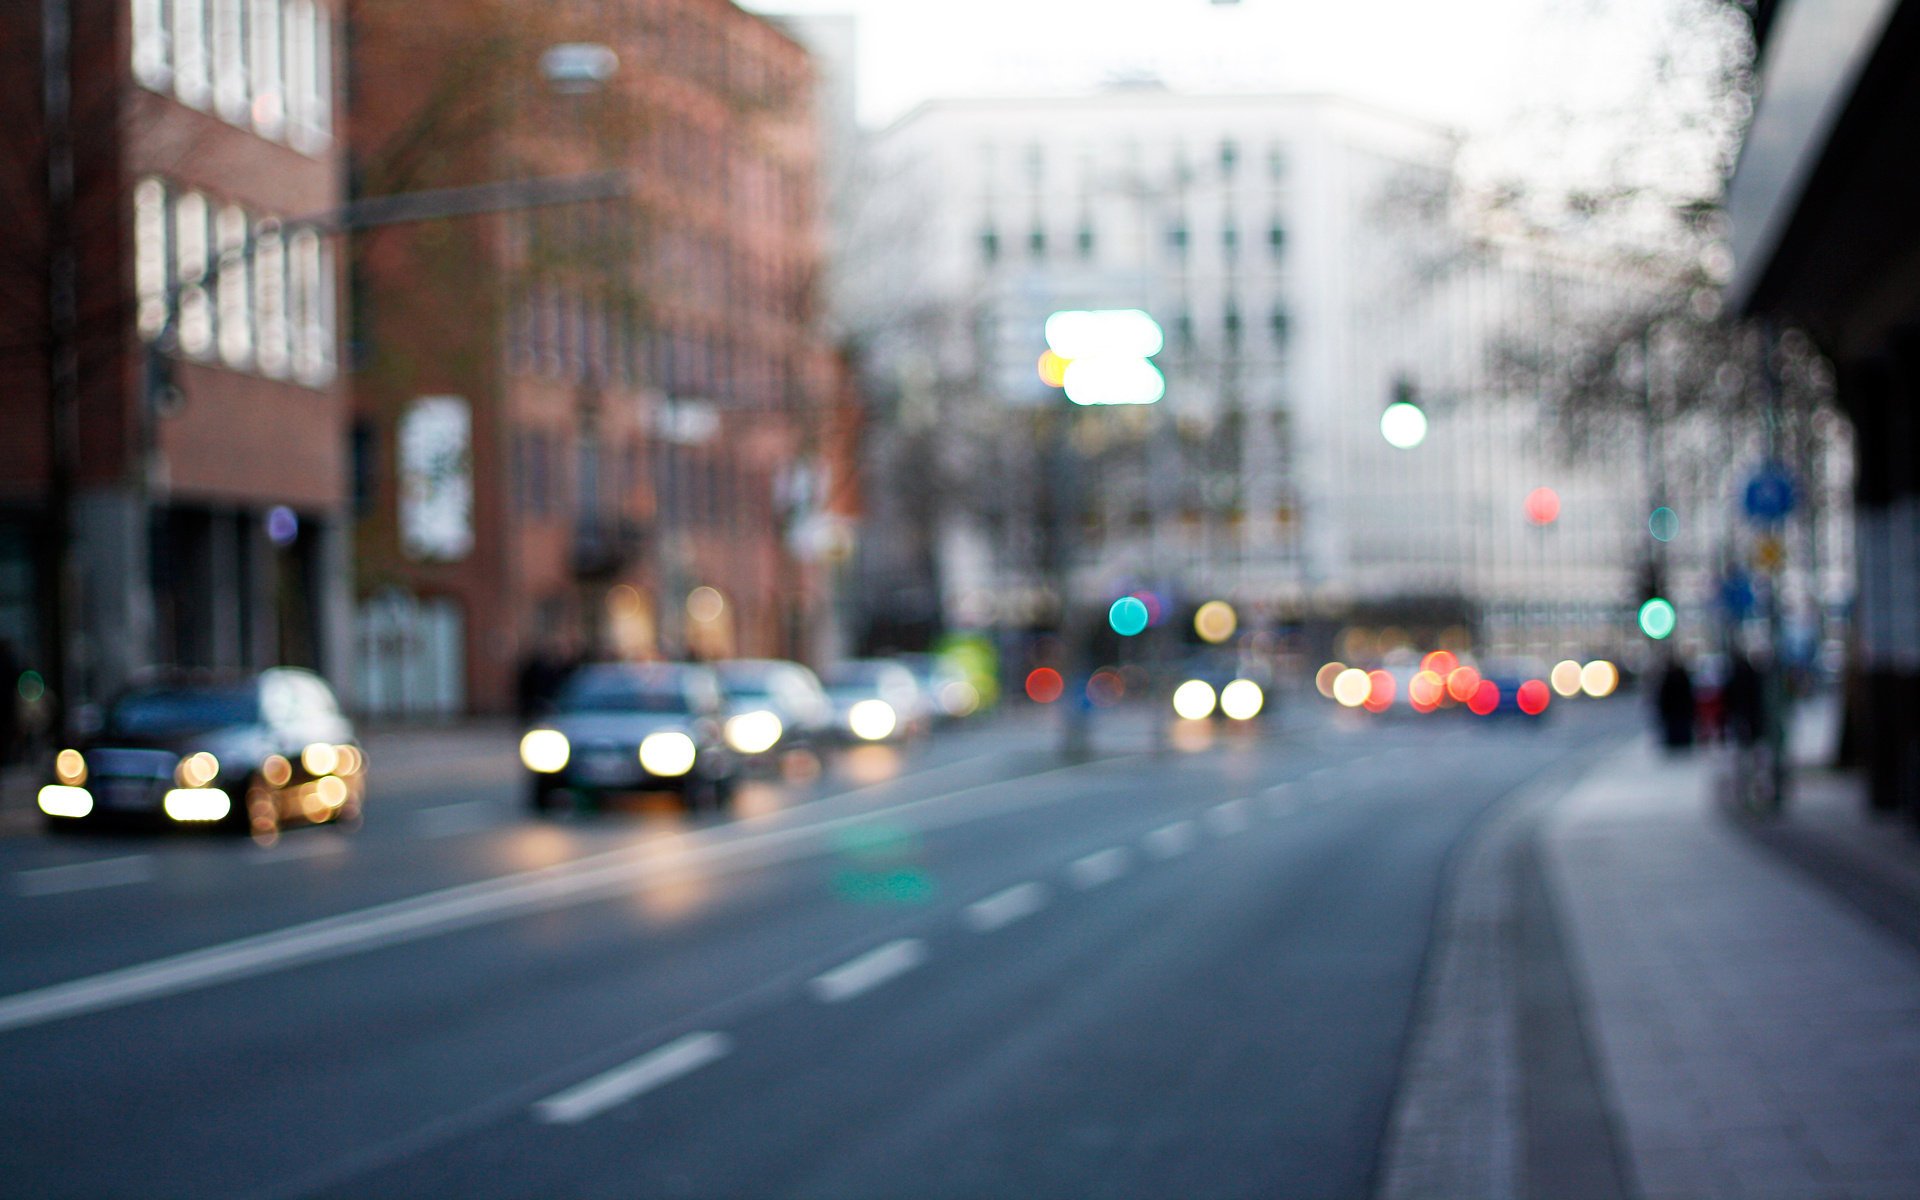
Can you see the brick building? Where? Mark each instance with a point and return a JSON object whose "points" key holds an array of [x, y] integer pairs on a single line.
{"points": [[204, 522], [572, 417]]}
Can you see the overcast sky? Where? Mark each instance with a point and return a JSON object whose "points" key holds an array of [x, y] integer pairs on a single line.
{"points": [[1485, 67]]}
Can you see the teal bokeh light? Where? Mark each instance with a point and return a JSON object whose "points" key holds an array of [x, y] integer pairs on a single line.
{"points": [[1657, 618], [1664, 524], [1128, 616]]}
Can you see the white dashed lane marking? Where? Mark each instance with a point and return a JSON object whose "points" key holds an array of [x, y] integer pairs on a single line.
{"points": [[654, 1069], [1227, 818], [85, 876], [869, 971], [1170, 840], [1102, 866], [1003, 908]]}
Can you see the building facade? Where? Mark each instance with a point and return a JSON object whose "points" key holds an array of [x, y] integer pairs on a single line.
{"points": [[172, 450], [573, 417]]}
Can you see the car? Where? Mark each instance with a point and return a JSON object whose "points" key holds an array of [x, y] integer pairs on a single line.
{"points": [[249, 754], [773, 705], [953, 695], [1221, 685], [631, 727], [875, 700], [1522, 687]]}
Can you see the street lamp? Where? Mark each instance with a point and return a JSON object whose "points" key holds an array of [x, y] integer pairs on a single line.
{"points": [[1404, 423]]}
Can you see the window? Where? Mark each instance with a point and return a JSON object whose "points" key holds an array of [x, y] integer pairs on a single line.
{"points": [[366, 467], [265, 67], [307, 40], [190, 263], [1037, 243], [272, 349], [1229, 238], [1276, 239], [191, 79], [1276, 163], [229, 59], [1177, 238], [231, 290], [152, 43], [1279, 326], [151, 251], [310, 287], [1230, 325], [1183, 331], [989, 246], [1229, 157], [1084, 241]]}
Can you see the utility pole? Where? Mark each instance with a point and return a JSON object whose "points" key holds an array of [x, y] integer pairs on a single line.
{"points": [[63, 350]]}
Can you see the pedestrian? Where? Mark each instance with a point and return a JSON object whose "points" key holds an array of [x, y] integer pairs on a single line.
{"points": [[1675, 701], [1745, 701]]}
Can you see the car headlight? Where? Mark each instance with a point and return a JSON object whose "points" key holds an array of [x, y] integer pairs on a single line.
{"points": [[1194, 700], [667, 754], [545, 751], [197, 804], [64, 800], [872, 720], [70, 767], [320, 758], [197, 770], [754, 732], [1242, 700]]}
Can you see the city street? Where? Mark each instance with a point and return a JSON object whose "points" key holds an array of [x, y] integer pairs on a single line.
{"points": [[959, 969]]}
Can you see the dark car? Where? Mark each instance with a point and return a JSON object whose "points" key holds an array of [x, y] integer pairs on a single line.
{"points": [[250, 755], [631, 727], [875, 700], [1522, 687], [773, 706]]}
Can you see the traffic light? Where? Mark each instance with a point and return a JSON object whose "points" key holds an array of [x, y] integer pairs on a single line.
{"points": [[1404, 423], [1656, 615]]}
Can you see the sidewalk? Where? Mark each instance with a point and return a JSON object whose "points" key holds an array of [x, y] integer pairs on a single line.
{"points": [[1739, 1026]]}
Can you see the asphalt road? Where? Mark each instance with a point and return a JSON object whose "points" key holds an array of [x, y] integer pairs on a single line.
{"points": [[960, 969]]}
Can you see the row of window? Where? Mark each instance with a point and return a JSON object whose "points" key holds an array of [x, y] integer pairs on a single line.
{"points": [[1184, 337], [561, 332], [265, 65], [1186, 168], [235, 287], [691, 487], [1179, 242]]}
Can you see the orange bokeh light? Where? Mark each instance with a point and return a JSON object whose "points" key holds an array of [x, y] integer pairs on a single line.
{"points": [[1044, 685], [1462, 682], [1425, 690], [1053, 369], [1532, 697], [1440, 662]]}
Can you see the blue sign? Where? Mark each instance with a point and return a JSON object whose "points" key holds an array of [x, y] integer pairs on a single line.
{"points": [[1770, 494], [1736, 594]]}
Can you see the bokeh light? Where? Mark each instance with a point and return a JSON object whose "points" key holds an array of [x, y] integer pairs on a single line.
{"points": [[1216, 621], [1106, 688], [1194, 700], [1380, 691], [1324, 677], [705, 604], [1128, 616], [69, 767], [1403, 425], [1351, 686], [1657, 618], [1599, 678], [1532, 697], [1242, 700], [871, 720], [1053, 369], [283, 525], [1543, 506], [1440, 662], [1565, 677], [1664, 524], [1044, 685], [1425, 690], [1486, 698], [1462, 682]]}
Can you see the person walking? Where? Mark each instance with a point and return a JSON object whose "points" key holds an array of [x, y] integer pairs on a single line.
{"points": [[1675, 704]]}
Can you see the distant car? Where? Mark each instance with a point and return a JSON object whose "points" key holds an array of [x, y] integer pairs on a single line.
{"points": [[773, 705], [875, 700], [631, 727], [947, 687], [250, 755], [1522, 684], [1221, 685]]}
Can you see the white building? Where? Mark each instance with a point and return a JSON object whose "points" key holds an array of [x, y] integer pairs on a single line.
{"points": [[1303, 256]]}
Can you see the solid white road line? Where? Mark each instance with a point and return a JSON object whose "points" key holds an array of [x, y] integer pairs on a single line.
{"points": [[1170, 840], [656, 1068], [1227, 818], [1102, 866], [84, 876], [575, 881], [869, 971], [1003, 908]]}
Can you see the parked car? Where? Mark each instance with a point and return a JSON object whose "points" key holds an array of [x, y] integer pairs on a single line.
{"points": [[875, 700], [772, 706], [249, 754], [631, 727]]}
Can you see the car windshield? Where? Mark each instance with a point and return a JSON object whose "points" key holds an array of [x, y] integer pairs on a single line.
{"points": [[623, 691], [855, 677], [164, 711]]}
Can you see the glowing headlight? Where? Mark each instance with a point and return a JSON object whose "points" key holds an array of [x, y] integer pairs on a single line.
{"points": [[320, 758], [70, 768], [1194, 700], [668, 754], [872, 720], [60, 800], [959, 698], [754, 732], [1242, 700], [197, 770], [197, 804], [545, 750]]}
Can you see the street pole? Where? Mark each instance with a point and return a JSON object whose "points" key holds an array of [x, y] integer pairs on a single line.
{"points": [[1774, 698], [63, 353]]}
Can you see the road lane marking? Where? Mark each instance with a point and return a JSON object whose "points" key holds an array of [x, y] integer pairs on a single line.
{"points": [[651, 1070], [1226, 818], [84, 876], [1102, 866], [1005, 907], [1283, 798], [1170, 840], [447, 820], [558, 885], [311, 846], [869, 971]]}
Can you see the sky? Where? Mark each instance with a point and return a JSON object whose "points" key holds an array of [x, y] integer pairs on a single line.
{"points": [[1485, 67]]}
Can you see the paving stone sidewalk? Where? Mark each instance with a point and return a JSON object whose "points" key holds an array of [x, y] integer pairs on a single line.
{"points": [[1751, 1032]]}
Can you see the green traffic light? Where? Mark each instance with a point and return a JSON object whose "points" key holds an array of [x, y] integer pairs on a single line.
{"points": [[1657, 618], [1128, 615]]}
